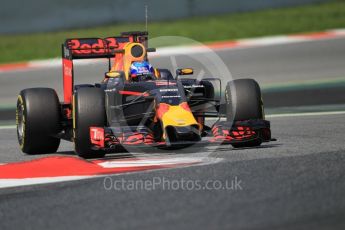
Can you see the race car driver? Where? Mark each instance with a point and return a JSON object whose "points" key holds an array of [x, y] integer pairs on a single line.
{"points": [[141, 71]]}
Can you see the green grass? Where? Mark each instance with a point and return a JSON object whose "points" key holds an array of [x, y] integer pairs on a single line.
{"points": [[14, 48]]}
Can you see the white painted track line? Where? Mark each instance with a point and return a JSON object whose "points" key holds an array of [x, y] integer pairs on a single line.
{"points": [[8, 127], [305, 114]]}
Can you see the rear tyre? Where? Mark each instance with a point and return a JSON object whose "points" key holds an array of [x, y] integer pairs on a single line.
{"points": [[89, 110], [243, 102], [38, 120], [208, 89], [165, 74]]}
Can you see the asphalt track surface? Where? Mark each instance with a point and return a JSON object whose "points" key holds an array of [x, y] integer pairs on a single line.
{"points": [[294, 183]]}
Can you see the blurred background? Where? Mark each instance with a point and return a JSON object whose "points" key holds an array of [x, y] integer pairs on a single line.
{"points": [[35, 29], [52, 15]]}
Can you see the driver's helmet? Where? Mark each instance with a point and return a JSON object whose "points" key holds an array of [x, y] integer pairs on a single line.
{"points": [[141, 71]]}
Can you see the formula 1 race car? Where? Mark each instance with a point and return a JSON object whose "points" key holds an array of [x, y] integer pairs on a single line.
{"points": [[137, 106]]}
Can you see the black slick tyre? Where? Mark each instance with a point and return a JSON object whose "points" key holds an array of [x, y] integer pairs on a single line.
{"points": [[38, 120], [88, 110]]}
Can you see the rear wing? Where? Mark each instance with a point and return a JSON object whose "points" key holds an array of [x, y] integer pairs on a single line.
{"points": [[89, 48], [85, 48]]}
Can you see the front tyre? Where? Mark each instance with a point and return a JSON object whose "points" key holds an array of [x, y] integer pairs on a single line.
{"points": [[38, 120], [89, 110], [243, 102]]}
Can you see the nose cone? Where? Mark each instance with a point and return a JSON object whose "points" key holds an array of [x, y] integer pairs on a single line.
{"points": [[176, 115]]}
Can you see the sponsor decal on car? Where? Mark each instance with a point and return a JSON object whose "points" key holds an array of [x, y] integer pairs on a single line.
{"points": [[193, 86]]}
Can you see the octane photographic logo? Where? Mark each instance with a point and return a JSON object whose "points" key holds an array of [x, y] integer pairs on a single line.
{"points": [[172, 53]]}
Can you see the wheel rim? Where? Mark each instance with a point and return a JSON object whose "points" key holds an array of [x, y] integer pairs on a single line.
{"points": [[20, 122]]}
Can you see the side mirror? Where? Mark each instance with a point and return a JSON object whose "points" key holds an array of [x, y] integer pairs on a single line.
{"points": [[185, 71], [114, 74]]}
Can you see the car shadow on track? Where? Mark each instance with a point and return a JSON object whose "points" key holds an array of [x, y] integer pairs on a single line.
{"points": [[157, 152], [68, 153], [268, 146], [117, 155]]}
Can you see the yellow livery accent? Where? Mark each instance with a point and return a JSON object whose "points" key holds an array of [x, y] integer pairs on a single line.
{"points": [[113, 74], [157, 73], [178, 116]]}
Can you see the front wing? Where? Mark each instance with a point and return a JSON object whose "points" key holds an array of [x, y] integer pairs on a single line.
{"points": [[221, 133]]}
